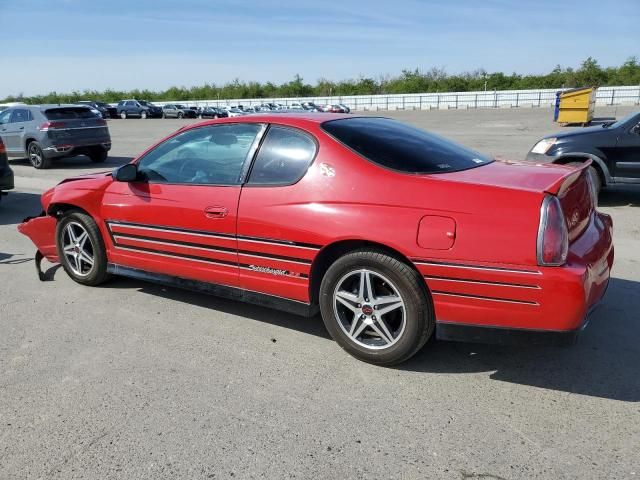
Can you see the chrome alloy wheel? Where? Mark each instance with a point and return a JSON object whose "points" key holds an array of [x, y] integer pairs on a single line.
{"points": [[369, 309], [35, 155], [78, 249]]}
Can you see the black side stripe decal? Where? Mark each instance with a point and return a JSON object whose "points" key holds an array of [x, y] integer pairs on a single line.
{"points": [[482, 282], [246, 266], [482, 297], [474, 267], [215, 234], [211, 247]]}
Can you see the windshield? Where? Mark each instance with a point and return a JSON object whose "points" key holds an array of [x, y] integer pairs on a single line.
{"points": [[624, 120], [145, 103], [401, 147]]}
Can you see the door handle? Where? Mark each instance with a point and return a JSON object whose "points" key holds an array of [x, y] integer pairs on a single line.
{"points": [[215, 212]]}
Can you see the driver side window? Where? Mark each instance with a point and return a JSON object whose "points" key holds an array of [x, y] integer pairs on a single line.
{"points": [[212, 155], [4, 117]]}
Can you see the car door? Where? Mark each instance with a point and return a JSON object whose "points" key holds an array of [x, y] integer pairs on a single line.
{"points": [[179, 217], [627, 158], [274, 249], [13, 132], [5, 116]]}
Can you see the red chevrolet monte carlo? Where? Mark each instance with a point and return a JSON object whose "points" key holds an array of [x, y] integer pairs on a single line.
{"points": [[392, 232]]}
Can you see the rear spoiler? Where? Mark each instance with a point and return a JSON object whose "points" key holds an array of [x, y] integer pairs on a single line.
{"points": [[564, 183]]}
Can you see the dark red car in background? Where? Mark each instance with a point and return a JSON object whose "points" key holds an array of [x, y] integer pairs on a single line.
{"points": [[392, 232]]}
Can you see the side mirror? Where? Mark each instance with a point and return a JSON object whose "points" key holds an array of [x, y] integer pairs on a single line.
{"points": [[126, 173]]}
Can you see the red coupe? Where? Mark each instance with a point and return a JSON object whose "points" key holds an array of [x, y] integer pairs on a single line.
{"points": [[391, 231]]}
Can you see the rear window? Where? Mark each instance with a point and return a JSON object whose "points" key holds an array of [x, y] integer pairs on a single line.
{"points": [[401, 147], [68, 113]]}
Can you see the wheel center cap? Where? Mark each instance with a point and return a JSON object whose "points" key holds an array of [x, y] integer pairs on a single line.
{"points": [[367, 310]]}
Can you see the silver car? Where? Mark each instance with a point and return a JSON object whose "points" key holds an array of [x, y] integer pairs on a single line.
{"points": [[43, 133]]}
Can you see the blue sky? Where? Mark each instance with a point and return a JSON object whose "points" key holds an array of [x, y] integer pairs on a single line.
{"points": [[66, 45]]}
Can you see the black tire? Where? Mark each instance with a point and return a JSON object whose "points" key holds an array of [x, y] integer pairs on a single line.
{"points": [[123, 115], [97, 274], [419, 318], [597, 181], [144, 114], [36, 156], [180, 115], [594, 174], [98, 154]]}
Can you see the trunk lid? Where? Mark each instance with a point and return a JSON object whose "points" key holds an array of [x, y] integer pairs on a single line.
{"points": [[568, 183]]}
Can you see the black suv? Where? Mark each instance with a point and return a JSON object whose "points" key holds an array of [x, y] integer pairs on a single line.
{"points": [[613, 147], [106, 110], [139, 109]]}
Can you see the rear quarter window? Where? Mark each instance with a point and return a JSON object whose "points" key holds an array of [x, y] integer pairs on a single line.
{"points": [[68, 113], [284, 157], [401, 147]]}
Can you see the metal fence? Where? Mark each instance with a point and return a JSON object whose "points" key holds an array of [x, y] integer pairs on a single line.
{"points": [[445, 101]]}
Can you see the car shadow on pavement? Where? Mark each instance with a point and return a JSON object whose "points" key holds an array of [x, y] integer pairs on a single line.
{"points": [[15, 206], [620, 196], [312, 326], [603, 363], [79, 162]]}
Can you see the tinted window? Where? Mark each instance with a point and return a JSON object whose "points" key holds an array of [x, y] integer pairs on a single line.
{"points": [[68, 113], [284, 157], [21, 115], [401, 147], [208, 155]]}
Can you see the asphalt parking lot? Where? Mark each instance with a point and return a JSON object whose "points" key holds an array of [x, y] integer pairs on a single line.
{"points": [[134, 380]]}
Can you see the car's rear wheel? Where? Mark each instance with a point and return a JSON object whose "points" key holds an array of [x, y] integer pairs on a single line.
{"points": [[143, 114], [81, 249], [36, 156], [123, 115], [180, 115], [98, 154], [376, 307]]}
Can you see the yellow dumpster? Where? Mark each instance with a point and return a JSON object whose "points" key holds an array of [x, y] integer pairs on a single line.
{"points": [[576, 105]]}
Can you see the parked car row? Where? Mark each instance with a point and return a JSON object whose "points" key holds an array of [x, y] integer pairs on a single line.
{"points": [[132, 108]]}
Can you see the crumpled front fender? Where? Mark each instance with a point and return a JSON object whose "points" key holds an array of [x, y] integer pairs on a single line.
{"points": [[42, 232]]}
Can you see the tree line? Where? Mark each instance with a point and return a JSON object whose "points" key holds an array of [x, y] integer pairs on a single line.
{"points": [[588, 74]]}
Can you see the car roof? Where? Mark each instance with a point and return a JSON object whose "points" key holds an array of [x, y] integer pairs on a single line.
{"points": [[46, 106], [286, 118]]}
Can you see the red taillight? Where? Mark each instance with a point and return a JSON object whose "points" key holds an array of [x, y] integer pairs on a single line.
{"points": [[101, 121], [51, 126], [2, 147], [553, 237]]}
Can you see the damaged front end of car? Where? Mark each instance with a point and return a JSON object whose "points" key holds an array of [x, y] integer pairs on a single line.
{"points": [[41, 230]]}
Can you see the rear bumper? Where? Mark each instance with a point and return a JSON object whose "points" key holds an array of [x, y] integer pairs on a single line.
{"points": [[479, 302], [457, 332], [69, 149]]}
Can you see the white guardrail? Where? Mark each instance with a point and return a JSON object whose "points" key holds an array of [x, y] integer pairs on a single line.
{"points": [[445, 101]]}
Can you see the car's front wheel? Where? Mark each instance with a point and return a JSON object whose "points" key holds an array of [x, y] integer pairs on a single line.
{"points": [[36, 156], [123, 115], [81, 249], [143, 114], [376, 307]]}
